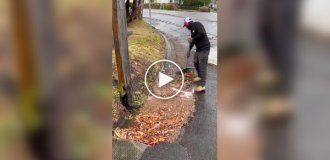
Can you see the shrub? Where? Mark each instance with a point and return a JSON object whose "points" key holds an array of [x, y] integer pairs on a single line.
{"points": [[166, 6], [204, 9], [197, 3], [170, 6], [189, 7], [154, 5]]}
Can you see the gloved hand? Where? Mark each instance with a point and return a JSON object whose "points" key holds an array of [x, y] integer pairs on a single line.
{"points": [[190, 40], [188, 54]]}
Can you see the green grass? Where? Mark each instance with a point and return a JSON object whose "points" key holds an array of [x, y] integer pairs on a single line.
{"points": [[145, 43]]}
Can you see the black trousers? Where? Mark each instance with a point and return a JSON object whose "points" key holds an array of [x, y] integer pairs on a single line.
{"points": [[200, 62], [277, 31]]}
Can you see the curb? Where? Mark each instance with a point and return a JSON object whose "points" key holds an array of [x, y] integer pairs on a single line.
{"points": [[127, 150], [168, 47]]}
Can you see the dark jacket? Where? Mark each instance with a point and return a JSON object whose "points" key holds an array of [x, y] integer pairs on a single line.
{"points": [[199, 36]]}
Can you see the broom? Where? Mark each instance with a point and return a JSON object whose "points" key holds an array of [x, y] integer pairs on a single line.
{"points": [[186, 69]]}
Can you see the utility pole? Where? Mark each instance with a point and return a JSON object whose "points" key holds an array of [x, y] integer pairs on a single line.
{"points": [[29, 86], [121, 52], [26, 62], [35, 52]]}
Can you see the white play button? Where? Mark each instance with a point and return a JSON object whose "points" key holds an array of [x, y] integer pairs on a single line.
{"points": [[169, 81], [163, 79]]}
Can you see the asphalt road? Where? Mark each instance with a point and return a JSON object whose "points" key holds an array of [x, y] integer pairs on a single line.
{"points": [[306, 137], [198, 141], [310, 130], [171, 23]]}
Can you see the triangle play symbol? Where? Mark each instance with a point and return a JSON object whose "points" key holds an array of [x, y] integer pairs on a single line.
{"points": [[163, 79]]}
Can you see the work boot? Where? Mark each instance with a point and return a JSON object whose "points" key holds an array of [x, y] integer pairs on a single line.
{"points": [[278, 109], [199, 88], [196, 79]]}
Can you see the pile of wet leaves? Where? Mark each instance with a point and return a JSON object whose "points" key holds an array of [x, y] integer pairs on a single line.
{"points": [[160, 121]]}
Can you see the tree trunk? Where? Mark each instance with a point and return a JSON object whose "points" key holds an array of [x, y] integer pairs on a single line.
{"points": [[133, 8], [128, 15], [127, 8], [137, 12]]}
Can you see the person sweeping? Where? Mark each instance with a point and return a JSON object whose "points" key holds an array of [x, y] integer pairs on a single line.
{"points": [[201, 41]]}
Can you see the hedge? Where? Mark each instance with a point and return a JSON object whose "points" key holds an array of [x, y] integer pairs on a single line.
{"points": [[165, 6]]}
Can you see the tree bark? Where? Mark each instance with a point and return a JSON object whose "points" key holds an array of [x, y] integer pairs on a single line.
{"points": [[137, 12]]}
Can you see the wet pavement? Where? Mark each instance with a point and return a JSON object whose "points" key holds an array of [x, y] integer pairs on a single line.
{"points": [[166, 151], [306, 137], [200, 137], [198, 141], [310, 130]]}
